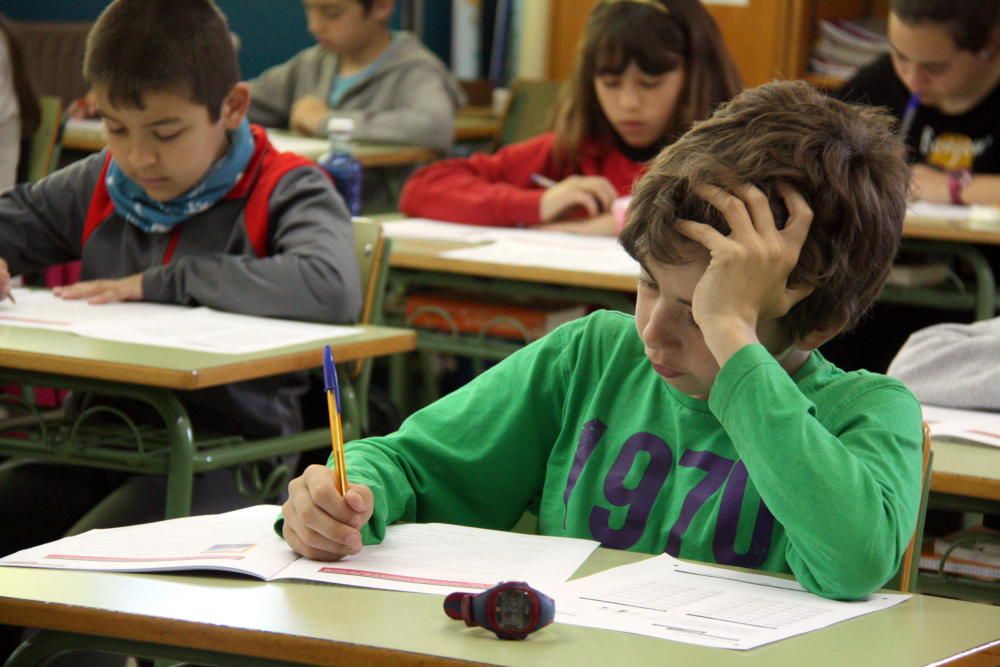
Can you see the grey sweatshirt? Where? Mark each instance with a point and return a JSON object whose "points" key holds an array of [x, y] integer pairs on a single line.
{"points": [[953, 365], [310, 271], [410, 97]]}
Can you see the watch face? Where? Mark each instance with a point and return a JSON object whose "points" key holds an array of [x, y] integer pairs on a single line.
{"points": [[512, 609]]}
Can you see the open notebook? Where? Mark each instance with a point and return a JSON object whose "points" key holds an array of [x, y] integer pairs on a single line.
{"points": [[421, 558]]}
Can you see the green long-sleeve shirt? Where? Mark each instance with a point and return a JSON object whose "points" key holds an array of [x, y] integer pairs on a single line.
{"points": [[817, 474]]}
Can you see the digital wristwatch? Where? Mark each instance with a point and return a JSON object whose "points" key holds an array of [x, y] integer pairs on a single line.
{"points": [[511, 609]]}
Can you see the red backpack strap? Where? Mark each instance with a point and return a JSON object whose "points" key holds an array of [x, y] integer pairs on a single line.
{"points": [[101, 207], [267, 167]]}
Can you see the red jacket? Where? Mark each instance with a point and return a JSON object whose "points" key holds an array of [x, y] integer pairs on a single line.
{"points": [[496, 189]]}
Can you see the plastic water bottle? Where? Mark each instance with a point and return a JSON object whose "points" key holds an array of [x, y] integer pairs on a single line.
{"points": [[343, 167]]}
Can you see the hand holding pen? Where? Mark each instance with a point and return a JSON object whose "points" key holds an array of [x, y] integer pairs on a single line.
{"points": [[332, 387], [594, 194], [908, 113]]}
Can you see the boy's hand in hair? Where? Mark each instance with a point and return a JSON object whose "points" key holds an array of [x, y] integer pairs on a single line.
{"points": [[593, 194], [746, 280], [307, 113], [320, 523], [599, 225], [103, 291]]}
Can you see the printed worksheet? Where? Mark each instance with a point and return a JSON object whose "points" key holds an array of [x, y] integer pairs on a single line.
{"points": [[710, 606], [423, 558], [972, 425], [162, 325]]}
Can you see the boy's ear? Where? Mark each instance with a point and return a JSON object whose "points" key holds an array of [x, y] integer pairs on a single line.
{"points": [[235, 106], [382, 10], [818, 337]]}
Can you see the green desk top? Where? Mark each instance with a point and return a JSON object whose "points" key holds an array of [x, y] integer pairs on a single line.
{"points": [[325, 624]]}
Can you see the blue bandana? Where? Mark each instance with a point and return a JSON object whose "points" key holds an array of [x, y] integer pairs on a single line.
{"points": [[149, 215]]}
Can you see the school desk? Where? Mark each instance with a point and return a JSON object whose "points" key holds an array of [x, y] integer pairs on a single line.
{"points": [[232, 620], [418, 264], [958, 239], [476, 124], [966, 478], [155, 376], [88, 136]]}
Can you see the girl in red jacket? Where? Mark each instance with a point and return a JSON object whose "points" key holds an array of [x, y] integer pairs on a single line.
{"points": [[647, 69]]}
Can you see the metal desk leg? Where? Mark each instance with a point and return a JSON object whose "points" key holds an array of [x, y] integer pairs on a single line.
{"points": [[180, 471]]}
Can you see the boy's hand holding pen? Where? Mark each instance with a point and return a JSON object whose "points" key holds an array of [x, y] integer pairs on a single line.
{"points": [[336, 424], [593, 194], [323, 515]]}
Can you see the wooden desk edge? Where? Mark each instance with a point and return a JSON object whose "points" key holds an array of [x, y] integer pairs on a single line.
{"points": [[428, 262], [974, 656], [190, 634], [403, 341], [966, 485]]}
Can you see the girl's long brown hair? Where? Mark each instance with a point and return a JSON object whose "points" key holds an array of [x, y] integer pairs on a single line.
{"points": [[27, 102], [619, 32]]}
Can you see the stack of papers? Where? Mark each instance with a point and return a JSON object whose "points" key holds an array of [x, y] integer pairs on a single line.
{"points": [[162, 325]]}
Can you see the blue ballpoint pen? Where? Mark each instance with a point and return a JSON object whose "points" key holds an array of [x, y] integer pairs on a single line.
{"points": [[908, 113], [332, 387]]}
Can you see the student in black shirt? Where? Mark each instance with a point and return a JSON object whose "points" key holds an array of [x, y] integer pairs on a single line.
{"points": [[947, 54]]}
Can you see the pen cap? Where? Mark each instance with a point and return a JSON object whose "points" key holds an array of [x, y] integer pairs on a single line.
{"points": [[330, 382]]}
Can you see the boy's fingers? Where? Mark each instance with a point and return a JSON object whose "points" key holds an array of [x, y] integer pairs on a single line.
{"points": [[759, 208], [800, 215], [731, 207], [699, 232]]}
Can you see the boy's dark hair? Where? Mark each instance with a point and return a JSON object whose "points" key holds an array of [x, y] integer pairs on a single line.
{"points": [[178, 46], [968, 22], [843, 159], [659, 36]]}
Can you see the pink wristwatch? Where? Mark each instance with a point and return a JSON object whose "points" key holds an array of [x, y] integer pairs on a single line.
{"points": [[957, 181]]}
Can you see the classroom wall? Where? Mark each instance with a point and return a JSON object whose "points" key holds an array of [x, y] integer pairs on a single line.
{"points": [[271, 31]]}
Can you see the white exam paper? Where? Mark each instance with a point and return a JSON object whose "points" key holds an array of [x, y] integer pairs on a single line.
{"points": [[423, 558], [696, 604], [162, 325], [972, 425]]}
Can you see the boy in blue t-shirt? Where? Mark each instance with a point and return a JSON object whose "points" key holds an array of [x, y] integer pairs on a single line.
{"points": [[718, 433]]}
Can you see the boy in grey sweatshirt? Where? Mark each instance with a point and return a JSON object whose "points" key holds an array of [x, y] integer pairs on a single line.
{"points": [[391, 87]]}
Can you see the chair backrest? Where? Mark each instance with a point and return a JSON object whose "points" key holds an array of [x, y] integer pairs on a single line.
{"points": [[529, 111], [906, 579], [372, 248], [46, 143]]}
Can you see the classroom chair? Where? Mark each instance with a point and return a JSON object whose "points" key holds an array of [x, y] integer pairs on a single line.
{"points": [[905, 579], [142, 448], [45, 144], [529, 111]]}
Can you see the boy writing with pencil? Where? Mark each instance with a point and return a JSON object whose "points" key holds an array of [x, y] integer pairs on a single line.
{"points": [[189, 205], [707, 426]]}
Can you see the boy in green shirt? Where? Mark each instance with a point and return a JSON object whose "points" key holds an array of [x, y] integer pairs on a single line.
{"points": [[719, 433]]}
